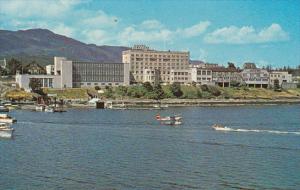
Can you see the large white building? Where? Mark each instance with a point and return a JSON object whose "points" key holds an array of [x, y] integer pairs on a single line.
{"points": [[72, 74]]}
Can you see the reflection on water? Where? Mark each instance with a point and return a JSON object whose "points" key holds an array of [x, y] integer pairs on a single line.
{"points": [[129, 149]]}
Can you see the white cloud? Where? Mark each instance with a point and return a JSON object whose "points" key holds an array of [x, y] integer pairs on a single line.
{"points": [[194, 30], [63, 30], [131, 34], [36, 8], [151, 24], [246, 35], [97, 36], [154, 31], [99, 20]]}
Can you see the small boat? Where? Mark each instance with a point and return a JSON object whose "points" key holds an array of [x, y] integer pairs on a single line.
{"points": [[7, 119], [169, 120], [39, 108], [4, 109], [219, 127], [6, 131], [49, 109]]}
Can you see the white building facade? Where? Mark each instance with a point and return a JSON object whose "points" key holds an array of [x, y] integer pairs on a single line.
{"points": [[281, 76], [73, 74], [146, 65], [258, 78]]}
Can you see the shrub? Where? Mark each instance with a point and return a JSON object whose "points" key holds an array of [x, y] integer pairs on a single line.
{"points": [[214, 90], [204, 87], [121, 90], [176, 89], [97, 88], [148, 86]]}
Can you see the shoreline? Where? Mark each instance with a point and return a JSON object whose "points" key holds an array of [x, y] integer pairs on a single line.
{"points": [[165, 103]]}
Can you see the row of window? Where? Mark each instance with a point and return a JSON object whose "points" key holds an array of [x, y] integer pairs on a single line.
{"points": [[158, 56], [160, 60], [203, 72]]}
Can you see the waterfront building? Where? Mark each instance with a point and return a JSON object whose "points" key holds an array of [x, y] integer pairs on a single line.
{"points": [[146, 63], [281, 76], [87, 74], [182, 76], [258, 78], [73, 74], [201, 75], [223, 77]]}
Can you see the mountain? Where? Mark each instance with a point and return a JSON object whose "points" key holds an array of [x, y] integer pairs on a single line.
{"points": [[42, 45]]}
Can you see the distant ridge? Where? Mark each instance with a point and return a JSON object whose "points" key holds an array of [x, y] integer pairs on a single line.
{"points": [[42, 45]]}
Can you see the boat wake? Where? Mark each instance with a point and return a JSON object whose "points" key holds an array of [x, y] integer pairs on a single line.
{"points": [[256, 131]]}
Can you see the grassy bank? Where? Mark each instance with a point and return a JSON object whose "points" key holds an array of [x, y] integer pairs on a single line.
{"points": [[188, 92]]}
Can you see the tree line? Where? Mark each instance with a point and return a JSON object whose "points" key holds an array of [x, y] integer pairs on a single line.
{"points": [[14, 65]]}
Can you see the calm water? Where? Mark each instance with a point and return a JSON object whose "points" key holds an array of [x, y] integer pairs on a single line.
{"points": [[114, 149]]}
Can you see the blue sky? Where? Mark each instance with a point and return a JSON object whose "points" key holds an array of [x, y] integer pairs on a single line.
{"points": [[264, 32]]}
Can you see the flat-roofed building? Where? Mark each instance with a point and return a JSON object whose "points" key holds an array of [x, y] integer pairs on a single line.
{"points": [[258, 78], [142, 59], [223, 77], [182, 76], [201, 75], [282, 76], [88, 74], [73, 74]]}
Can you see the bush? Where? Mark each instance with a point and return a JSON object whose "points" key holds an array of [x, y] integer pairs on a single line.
{"points": [[148, 86], [136, 91], [204, 87], [206, 95], [214, 90], [158, 92], [176, 89], [121, 90], [97, 88]]}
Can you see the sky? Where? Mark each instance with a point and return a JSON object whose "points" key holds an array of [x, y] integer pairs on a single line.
{"points": [[266, 32]]}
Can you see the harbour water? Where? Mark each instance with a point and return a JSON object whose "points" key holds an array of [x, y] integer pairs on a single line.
{"points": [[128, 149]]}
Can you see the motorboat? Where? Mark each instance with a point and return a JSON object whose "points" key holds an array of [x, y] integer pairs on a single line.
{"points": [[49, 109], [219, 127], [39, 108], [7, 119], [4, 109], [6, 131], [169, 120]]}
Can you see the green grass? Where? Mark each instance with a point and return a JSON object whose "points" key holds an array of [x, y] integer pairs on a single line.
{"points": [[189, 92]]}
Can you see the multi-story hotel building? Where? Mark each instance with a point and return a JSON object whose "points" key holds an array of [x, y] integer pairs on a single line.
{"points": [[145, 64]]}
